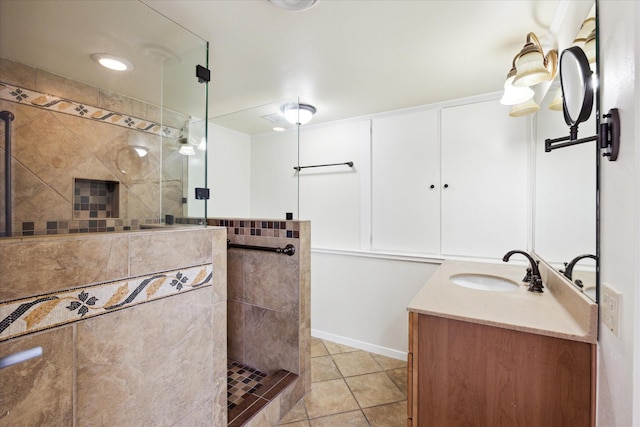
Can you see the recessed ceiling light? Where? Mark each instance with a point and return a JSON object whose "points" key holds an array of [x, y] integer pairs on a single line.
{"points": [[293, 5], [279, 129], [112, 62]]}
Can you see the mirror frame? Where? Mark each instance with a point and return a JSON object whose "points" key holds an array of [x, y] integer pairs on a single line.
{"points": [[572, 60]]}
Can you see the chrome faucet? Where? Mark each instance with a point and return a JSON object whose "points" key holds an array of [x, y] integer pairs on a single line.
{"points": [[568, 271], [534, 278]]}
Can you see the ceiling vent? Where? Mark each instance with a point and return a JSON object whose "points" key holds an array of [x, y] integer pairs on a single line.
{"points": [[275, 118]]}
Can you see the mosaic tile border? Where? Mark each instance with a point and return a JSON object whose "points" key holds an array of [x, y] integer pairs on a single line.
{"points": [[258, 227], [28, 315], [37, 99]]}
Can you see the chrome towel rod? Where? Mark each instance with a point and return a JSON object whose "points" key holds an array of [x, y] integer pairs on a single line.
{"points": [[287, 250], [298, 168]]}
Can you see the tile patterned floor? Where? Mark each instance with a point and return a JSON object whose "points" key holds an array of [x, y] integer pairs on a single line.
{"points": [[241, 381], [351, 387]]}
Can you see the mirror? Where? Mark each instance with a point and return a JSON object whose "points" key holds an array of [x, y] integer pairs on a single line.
{"points": [[577, 87], [565, 180]]}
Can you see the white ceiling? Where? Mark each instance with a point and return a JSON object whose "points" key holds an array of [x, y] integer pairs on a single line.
{"points": [[356, 57], [348, 58]]}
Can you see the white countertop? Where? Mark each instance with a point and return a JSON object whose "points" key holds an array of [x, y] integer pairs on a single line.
{"points": [[560, 311]]}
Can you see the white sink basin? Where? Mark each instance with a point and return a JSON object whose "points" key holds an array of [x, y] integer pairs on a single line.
{"points": [[483, 282]]}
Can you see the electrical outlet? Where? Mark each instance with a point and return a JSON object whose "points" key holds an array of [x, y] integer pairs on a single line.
{"points": [[610, 308]]}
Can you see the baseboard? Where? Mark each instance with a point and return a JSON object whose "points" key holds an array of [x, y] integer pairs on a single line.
{"points": [[371, 348]]}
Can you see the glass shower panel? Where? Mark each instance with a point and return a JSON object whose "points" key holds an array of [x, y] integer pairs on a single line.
{"points": [[184, 161]]}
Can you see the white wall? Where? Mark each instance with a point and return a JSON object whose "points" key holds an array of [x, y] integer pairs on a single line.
{"points": [[229, 173], [274, 186], [618, 360], [361, 301]]}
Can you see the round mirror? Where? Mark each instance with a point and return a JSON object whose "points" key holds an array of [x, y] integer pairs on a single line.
{"points": [[577, 85]]}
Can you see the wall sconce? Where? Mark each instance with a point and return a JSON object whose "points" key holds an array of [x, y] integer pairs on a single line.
{"points": [[186, 149], [524, 108], [298, 114], [532, 65], [513, 94]]}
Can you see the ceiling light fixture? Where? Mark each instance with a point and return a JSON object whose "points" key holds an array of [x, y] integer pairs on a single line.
{"points": [[298, 114], [112, 62], [532, 65], [293, 5]]}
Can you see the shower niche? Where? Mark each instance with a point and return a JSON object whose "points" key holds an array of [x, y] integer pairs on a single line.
{"points": [[95, 199]]}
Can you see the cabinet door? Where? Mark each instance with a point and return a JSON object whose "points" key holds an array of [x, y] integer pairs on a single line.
{"points": [[484, 180], [405, 165]]}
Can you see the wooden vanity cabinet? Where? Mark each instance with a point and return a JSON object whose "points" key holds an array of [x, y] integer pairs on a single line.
{"points": [[467, 374]]}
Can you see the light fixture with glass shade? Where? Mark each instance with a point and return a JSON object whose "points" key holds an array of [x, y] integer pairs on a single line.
{"points": [[532, 65], [513, 94], [186, 149], [298, 114], [524, 108]]}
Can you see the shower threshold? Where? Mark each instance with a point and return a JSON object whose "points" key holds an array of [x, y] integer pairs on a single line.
{"points": [[249, 391]]}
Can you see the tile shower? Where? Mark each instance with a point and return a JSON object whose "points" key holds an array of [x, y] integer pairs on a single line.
{"points": [[76, 170], [269, 328], [70, 137]]}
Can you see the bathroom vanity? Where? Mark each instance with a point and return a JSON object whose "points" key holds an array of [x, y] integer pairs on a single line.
{"points": [[483, 351]]}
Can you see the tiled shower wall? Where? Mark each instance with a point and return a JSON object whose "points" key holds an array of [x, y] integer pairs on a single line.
{"points": [[65, 130], [269, 318], [132, 327]]}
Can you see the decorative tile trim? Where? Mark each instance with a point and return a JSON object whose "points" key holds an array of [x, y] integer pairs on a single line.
{"points": [[61, 105], [257, 227], [27, 315]]}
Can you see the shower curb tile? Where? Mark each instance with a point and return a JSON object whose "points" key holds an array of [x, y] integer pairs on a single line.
{"points": [[27, 315]]}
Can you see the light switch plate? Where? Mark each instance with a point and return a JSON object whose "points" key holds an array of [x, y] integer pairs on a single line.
{"points": [[610, 308]]}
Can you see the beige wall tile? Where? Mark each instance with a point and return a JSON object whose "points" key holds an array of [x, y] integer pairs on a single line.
{"points": [[235, 274], [271, 281], [39, 391], [147, 365], [235, 335], [270, 340], [164, 250], [18, 74], [37, 266], [54, 84]]}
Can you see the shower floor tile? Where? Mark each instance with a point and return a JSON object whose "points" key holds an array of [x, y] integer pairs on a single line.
{"points": [[249, 390], [242, 381]]}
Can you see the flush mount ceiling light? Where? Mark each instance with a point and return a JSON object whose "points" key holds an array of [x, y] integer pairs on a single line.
{"points": [[532, 66], [112, 62], [293, 5], [298, 114]]}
